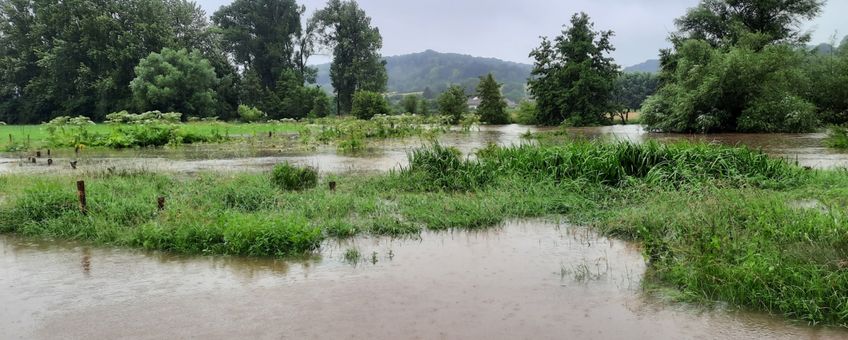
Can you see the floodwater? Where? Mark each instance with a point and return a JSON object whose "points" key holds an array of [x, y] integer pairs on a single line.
{"points": [[807, 149], [526, 280]]}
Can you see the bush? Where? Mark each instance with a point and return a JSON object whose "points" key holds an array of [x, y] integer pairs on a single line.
{"points": [[453, 103], [368, 104], [440, 168], [251, 114], [289, 177], [837, 137]]}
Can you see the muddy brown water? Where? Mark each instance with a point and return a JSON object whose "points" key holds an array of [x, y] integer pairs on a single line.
{"points": [[807, 149], [527, 279]]}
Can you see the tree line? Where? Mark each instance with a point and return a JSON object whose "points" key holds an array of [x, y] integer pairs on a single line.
{"points": [[734, 65], [84, 57]]}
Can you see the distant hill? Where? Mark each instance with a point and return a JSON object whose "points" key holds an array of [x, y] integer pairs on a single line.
{"points": [[649, 66], [430, 69]]}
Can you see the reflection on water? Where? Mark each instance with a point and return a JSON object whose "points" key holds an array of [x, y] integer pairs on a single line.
{"points": [[807, 149], [525, 280]]}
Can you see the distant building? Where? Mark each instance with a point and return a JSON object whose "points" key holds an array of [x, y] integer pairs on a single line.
{"points": [[474, 103]]}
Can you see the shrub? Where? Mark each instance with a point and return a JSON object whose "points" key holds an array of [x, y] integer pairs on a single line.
{"points": [[453, 103], [440, 168], [251, 114], [368, 104], [289, 177], [837, 137]]}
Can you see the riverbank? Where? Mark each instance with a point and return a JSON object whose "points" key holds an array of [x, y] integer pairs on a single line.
{"points": [[716, 223]]}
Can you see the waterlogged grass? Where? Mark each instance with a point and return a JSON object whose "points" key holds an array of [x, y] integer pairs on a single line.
{"points": [[26, 137], [716, 223], [837, 137]]}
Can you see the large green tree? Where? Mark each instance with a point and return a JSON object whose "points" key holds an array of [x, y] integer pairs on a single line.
{"points": [[724, 21], [357, 64], [573, 77], [492, 107], [453, 103], [176, 81], [734, 66], [262, 35]]}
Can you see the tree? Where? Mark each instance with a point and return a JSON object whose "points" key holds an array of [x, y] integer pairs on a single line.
{"points": [[428, 93], [723, 22], [409, 103], [734, 67], [367, 104], [175, 81], [357, 64], [453, 103], [261, 35], [631, 91], [573, 76], [743, 88], [492, 108]]}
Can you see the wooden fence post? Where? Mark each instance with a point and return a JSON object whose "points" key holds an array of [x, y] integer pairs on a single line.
{"points": [[49, 161], [333, 186], [74, 165], [81, 194], [160, 203]]}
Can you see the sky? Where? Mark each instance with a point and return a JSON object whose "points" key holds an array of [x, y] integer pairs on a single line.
{"points": [[510, 29]]}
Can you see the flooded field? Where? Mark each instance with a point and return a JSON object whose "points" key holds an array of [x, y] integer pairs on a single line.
{"points": [[525, 280], [807, 149]]}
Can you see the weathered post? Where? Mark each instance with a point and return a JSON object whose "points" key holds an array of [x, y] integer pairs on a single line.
{"points": [[48, 152], [74, 165], [32, 160], [49, 161], [81, 194], [270, 134], [76, 150], [160, 203], [333, 186], [38, 154]]}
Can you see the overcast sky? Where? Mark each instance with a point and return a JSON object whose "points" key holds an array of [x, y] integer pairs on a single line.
{"points": [[510, 29]]}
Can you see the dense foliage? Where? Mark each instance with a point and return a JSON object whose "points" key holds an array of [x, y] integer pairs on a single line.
{"points": [[492, 109], [368, 104], [735, 67], [175, 81], [573, 77], [453, 103], [286, 176], [70, 57]]}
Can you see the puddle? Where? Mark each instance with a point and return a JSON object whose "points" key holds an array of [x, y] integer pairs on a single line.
{"points": [[525, 280]]}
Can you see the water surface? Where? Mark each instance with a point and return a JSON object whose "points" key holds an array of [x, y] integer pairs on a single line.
{"points": [[260, 155], [525, 280]]}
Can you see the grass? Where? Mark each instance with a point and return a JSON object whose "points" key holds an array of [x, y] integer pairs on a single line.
{"points": [[716, 223], [38, 136], [837, 137]]}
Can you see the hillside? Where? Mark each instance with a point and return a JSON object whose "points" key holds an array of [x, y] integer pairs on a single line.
{"points": [[418, 71], [430, 69], [649, 66]]}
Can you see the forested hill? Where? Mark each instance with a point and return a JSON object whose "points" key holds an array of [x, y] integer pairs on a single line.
{"points": [[649, 66], [418, 71]]}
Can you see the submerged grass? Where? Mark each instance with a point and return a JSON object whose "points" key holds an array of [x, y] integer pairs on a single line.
{"points": [[716, 223]]}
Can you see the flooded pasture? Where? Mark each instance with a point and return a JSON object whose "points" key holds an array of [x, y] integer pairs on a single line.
{"points": [[807, 149], [524, 280]]}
